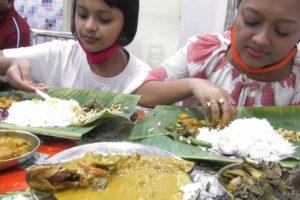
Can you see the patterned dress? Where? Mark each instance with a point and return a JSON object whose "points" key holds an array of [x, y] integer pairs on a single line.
{"points": [[205, 57]]}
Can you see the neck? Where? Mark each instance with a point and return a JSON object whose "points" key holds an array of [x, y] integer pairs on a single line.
{"points": [[96, 58], [251, 70]]}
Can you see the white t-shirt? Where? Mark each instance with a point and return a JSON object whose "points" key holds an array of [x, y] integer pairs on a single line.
{"points": [[64, 64]]}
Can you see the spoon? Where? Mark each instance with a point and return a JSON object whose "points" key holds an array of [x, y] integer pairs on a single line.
{"points": [[42, 94]]}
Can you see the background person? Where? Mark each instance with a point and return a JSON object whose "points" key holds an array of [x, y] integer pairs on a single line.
{"points": [[14, 30]]}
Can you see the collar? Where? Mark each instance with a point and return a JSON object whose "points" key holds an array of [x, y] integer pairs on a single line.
{"points": [[101, 56]]}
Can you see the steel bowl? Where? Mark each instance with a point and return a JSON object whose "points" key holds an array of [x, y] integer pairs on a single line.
{"points": [[294, 179], [33, 141], [221, 179]]}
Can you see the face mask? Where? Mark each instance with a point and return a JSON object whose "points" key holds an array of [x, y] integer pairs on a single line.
{"points": [[102, 56]]}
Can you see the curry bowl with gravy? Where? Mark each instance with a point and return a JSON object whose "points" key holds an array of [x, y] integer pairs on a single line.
{"points": [[16, 147], [121, 171]]}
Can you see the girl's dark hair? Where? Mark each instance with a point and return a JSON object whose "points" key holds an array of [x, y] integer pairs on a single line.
{"points": [[130, 10]]}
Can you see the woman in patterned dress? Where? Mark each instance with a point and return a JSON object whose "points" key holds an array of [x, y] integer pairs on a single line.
{"points": [[256, 63]]}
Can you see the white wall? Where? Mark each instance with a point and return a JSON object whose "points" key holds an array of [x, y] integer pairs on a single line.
{"points": [[165, 26], [158, 31], [201, 17]]}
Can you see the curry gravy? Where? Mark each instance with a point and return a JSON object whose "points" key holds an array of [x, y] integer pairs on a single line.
{"points": [[139, 178]]}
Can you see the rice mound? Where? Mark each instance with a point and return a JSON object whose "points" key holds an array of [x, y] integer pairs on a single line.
{"points": [[49, 113], [249, 137]]}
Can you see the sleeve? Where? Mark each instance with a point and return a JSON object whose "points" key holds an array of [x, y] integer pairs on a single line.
{"points": [[46, 59], [191, 59]]}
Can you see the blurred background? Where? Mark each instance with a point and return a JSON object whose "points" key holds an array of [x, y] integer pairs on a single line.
{"points": [[164, 25]]}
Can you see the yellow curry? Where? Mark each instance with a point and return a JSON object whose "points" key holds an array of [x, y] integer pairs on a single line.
{"points": [[126, 177]]}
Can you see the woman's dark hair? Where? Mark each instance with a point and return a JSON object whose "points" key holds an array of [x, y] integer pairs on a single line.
{"points": [[130, 10]]}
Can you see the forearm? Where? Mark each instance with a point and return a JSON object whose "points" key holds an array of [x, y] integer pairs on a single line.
{"points": [[165, 92], [5, 63]]}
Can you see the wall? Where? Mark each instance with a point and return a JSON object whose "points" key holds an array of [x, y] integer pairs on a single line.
{"points": [[42, 14], [164, 25], [158, 31], [201, 17]]}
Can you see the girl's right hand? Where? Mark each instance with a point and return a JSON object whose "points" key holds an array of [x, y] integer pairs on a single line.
{"points": [[19, 76], [216, 102]]}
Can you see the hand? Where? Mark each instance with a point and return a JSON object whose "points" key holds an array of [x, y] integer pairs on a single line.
{"points": [[216, 102], [19, 76]]}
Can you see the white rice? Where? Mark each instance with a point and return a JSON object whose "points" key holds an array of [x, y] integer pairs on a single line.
{"points": [[191, 191], [249, 137], [37, 113]]}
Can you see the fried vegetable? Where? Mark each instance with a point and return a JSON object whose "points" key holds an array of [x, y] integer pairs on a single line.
{"points": [[258, 181], [289, 134], [88, 171], [187, 126], [5, 102], [92, 112], [186, 130]]}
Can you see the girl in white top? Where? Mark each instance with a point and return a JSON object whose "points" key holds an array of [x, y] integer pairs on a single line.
{"points": [[96, 61]]}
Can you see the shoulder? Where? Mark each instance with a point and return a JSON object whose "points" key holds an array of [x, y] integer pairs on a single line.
{"points": [[201, 47], [208, 40], [20, 21], [55, 47]]}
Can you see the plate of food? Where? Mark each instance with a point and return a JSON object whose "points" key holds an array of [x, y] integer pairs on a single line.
{"points": [[70, 113], [259, 133], [263, 180], [112, 170], [16, 147]]}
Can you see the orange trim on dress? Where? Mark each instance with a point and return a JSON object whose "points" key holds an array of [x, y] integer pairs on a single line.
{"points": [[238, 60]]}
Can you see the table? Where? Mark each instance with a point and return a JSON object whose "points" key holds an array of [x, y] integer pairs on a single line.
{"points": [[112, 131]]}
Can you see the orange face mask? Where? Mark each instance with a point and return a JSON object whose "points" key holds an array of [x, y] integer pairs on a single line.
{"points": [[238, 60]]}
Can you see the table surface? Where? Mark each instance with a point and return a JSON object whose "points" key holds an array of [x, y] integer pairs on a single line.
{"points": [[12, 181], [112, 131]]}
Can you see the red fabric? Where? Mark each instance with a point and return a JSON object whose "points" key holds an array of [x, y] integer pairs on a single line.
{"points": [[158, 74], [14, 28], [12, 181], [202, 49]]}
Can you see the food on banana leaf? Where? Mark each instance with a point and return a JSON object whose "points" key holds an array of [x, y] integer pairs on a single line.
{"points": [[289, 135], [96, 176], [187, 128], [5, 102], [12, 147], [265, 181], [54, 112], [253, 138]]}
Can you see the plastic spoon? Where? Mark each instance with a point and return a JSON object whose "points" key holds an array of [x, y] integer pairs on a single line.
{"points": [[42, 94]]}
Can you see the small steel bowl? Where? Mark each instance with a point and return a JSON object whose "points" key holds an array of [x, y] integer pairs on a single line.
{"points": [[294, 179], [33, 141], [222, 181]]}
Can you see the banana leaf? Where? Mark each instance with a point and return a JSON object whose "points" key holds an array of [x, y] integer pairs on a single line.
{"points": [[84, 97], [151, 130]]}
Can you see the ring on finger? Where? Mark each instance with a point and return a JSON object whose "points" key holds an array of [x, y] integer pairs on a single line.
{"points": [[209, 103], [221, 101]]}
